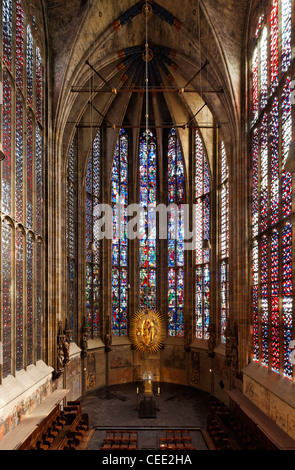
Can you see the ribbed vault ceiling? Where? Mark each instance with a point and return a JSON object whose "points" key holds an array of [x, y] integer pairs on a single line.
{"points": [[98, 57]]}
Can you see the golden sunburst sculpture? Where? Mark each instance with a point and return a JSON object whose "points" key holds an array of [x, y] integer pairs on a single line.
{"points": [[147, 332]]}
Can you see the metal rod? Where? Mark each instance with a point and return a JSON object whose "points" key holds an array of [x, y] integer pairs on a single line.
{"points": [[196, 74], [98, 74], [197, 114], [167, 126], [142, 90], [92, 105]]}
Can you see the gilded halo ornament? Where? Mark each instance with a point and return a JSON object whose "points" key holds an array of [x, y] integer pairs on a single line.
{"points": [[147, 331]]}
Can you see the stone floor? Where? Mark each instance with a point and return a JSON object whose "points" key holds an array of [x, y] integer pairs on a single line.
{"points": [[115, 408]]}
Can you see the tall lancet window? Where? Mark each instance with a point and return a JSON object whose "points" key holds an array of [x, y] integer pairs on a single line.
{"points": [[272, 192], [202, 235], [72, 238], [224, 243], [120, 238], [175, 237], [93, 198], [6, 274], [21, 174], [148, 229]]}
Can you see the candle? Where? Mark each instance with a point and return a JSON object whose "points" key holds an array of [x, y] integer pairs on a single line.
{"points": [[137, 390], [158, 390]]}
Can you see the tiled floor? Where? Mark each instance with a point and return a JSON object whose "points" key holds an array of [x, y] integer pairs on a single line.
{"points": [[116, 408]]}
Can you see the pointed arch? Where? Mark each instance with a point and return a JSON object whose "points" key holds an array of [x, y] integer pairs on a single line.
{"points": [[93, 277]]}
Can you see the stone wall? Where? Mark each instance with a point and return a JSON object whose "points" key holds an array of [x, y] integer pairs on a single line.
{"points": [[22, 394], [272, 394]]}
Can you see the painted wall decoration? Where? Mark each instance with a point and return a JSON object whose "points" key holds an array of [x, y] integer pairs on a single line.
{"points": [[120, 358], [174, 357]]}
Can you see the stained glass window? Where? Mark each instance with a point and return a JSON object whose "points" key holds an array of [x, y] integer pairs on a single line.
{"points": [[224, 204], [148, 230], [175, 237], [286, 12], [6, 164], [39, 78], [93, 188], [258, 29], [274, 45], [260, 67], [224, 243], [19, 161], [263, 68], [255, 86], [39, 299], [275, 163], [30, 169], [202, 233], [264, 300], [21, 187], [19, 44], [19, 269], [6, 299], [120, 238], [30, 299], [255, 184], [30, 66], [71, 238], [287, 253], [7, 33], [255, 300], [275, 314], [286, 140], [39, 179], [272, 198], [264, 173]]}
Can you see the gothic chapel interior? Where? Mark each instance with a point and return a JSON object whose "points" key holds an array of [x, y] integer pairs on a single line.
{"points": [[183, 110]]}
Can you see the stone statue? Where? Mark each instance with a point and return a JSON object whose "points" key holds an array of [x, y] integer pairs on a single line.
{"points": [[60, 357], [66, 346], [232, 350], [108, 342], [67, 341], [63, 348]]}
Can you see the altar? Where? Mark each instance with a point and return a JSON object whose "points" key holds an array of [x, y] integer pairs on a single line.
{"points": [[148, 407]]}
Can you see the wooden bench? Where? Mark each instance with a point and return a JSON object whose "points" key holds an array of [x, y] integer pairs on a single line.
{"points": [[120, 440], [176, 440], [74, 434]]}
